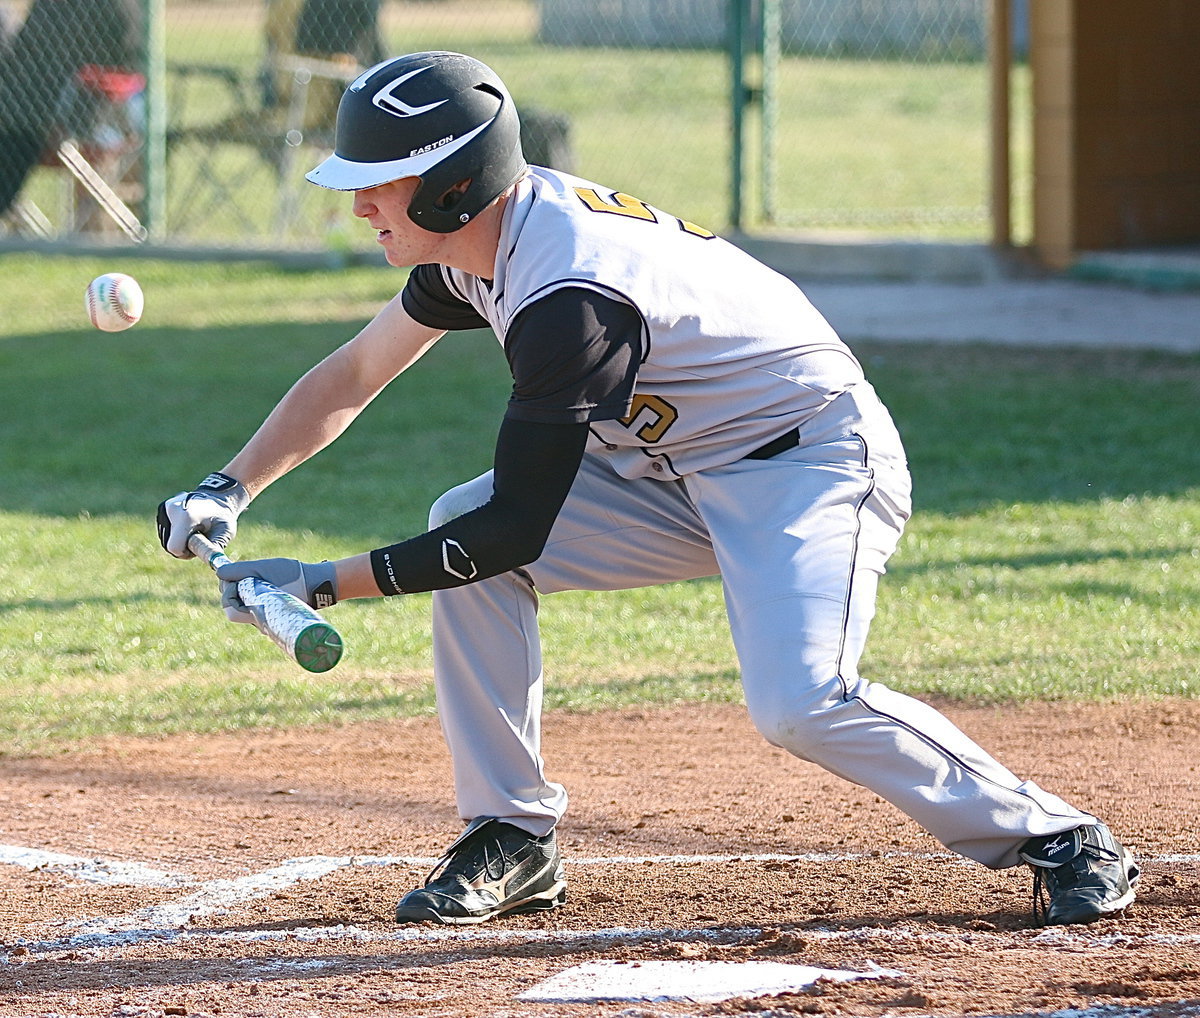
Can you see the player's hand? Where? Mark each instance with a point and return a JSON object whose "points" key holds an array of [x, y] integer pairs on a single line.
{"points": [[314, 583], [212, 508]]}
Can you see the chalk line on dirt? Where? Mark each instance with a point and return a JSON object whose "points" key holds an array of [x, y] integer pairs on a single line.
{"points": [[165, 921], [96, 871], [214, 896], [108, 871], [114, 943]]}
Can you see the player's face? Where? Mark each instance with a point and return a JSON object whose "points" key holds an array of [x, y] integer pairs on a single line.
{"points": [[385, 208]]}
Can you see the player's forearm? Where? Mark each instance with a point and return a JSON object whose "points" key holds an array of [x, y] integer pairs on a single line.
{"points": [[534, 469], [314, 412], [355, 577], [325, 401]]}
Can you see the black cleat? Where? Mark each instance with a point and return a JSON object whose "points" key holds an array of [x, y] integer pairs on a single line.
{"points": [[1086, 873], [493, 869]]}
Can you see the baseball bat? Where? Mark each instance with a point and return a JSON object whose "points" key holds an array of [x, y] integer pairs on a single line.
{"points": [[302, 634]]}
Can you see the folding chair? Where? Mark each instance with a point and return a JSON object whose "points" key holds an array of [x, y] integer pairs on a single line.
{"points": [[288, 105], [98, 144]]}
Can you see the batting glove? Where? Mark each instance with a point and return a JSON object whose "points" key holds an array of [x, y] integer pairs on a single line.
{"points": [[212, 509], [314, 583]]}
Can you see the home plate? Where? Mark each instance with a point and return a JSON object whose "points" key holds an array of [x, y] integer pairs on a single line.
{"points": [[700, 981]]}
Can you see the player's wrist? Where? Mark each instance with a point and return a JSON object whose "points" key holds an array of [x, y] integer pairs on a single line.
{"points": [[321, 584], [356, 578], [226, 489]]}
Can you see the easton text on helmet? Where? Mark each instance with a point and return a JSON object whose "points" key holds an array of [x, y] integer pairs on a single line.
{"points": [[431, 146]]}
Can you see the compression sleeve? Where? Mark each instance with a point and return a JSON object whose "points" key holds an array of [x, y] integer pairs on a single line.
{"points": [[535, 466]]}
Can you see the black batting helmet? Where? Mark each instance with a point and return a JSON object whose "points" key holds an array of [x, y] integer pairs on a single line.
{"points": [[441, 117]]}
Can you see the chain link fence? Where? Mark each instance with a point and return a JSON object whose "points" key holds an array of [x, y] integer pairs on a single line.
{"points": [[193, 121], [882, 117], [72, 89]]}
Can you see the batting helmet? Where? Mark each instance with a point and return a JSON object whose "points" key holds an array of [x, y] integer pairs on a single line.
{"points": [[442, 117]]}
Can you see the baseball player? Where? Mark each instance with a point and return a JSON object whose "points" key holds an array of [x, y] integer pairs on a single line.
{"points": [[678, 410]]}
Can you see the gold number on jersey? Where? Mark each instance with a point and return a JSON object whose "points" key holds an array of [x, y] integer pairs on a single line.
{"points": [[659, 413], [623, 204], [698, 231]]}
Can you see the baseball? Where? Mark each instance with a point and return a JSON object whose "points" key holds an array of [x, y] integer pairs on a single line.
{"points": [[114, 301]]}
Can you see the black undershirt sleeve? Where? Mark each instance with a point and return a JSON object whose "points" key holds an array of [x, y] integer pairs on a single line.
{"points": [[535, 467], [428, 300], [574, 356]]}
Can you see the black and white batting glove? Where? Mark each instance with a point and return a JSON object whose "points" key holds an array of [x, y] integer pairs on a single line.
{"points": [[213, 509], [314, 583]]}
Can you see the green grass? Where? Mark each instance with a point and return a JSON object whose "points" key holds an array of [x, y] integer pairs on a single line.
{"points": [[1055, 552]]}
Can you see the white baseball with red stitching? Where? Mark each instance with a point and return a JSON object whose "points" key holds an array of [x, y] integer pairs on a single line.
{"points": [[114, 301]]}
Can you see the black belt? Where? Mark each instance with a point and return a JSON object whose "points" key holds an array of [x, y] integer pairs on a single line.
{"points": [[788, 440]]}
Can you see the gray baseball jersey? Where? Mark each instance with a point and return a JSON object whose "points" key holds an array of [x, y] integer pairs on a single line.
{"points": [[786, 478], [733, 353]]}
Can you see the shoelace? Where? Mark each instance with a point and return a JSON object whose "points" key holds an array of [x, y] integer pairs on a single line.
{"points": [[1041, 893], [1041, 908], [443, 866]]}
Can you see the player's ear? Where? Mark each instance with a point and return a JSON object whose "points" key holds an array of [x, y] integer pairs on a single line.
{"points": [[453, 195]]}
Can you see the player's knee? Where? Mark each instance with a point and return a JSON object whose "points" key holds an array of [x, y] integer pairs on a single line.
{"points": [[796, 721], [459, 500]]}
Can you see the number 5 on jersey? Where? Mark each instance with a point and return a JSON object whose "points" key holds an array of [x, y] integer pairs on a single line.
{"points": [[623, 204]]}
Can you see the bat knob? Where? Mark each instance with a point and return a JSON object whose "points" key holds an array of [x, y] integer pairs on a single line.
{"points": [[318, 648]]}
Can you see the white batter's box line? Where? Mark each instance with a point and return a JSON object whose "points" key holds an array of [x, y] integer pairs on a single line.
{"points": [[98, 870], [100, 942], [93, 870], [164, 920], [1056, 939], [1063, 940], [109, 871], [131, 874], [217, 895], [1053, 938]]}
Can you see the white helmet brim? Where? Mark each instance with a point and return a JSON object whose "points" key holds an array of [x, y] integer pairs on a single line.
{"points": [[339, 174]]}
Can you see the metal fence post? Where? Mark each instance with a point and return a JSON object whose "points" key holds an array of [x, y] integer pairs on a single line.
{"points": [[769, 45], [154, 152], [999, 74], [739, 11]]}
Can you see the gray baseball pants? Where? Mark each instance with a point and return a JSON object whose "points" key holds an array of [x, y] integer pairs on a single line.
{"points": [[799, 542]]}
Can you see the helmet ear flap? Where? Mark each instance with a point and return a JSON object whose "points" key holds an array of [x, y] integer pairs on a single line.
{"points": [[488, 165], [435, 207], [452, 196]]}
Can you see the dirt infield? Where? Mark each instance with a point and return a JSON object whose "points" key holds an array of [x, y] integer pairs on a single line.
{"points": [[254, 875]]}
